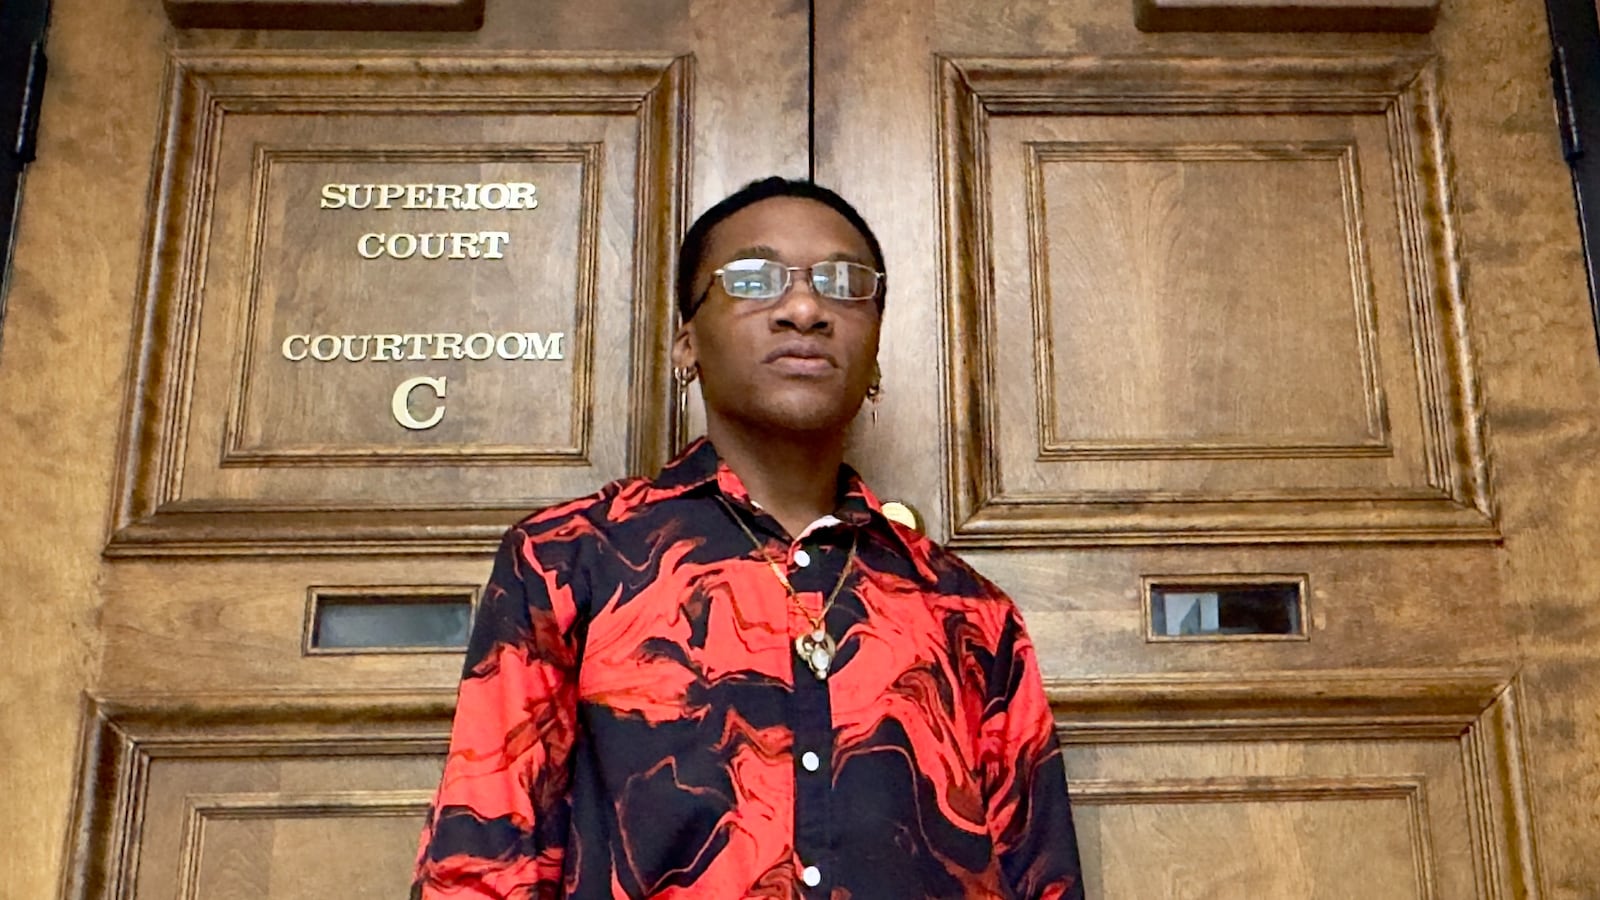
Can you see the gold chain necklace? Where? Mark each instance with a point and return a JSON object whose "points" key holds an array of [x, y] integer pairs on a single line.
{"points": [[817, 648]]}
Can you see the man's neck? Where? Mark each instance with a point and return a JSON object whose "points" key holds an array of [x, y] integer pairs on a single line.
{"points": [[794, 478]]}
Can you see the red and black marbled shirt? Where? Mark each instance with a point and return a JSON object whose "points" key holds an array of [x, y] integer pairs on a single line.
{"points": [[633, 720]]}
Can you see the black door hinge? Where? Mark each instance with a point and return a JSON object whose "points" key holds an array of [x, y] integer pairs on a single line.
{"points": [[1566, 106]]}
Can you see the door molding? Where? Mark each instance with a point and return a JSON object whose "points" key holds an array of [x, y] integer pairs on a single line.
{"points": [[1446, 496]]}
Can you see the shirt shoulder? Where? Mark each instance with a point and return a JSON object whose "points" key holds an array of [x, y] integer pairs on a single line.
{"points": [[946, 572], [614, 502]]}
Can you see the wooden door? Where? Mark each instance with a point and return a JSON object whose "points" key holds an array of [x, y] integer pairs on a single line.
{"points": [[1189, 310], [1208, 310], [302, 320]]}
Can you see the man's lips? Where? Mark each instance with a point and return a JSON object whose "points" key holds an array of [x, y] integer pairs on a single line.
{"points": [[802, 354]]}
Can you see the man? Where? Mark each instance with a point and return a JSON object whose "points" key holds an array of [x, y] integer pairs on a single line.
{"points": [[739, 679]]}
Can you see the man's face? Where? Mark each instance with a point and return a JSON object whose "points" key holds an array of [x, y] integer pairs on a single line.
{"points": [[801, 363]]}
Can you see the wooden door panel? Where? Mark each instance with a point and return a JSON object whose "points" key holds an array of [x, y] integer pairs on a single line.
{"points": [[1195, 303], [1264, 837], [1267, 358], [1087, 612], [247, 629], [299, 354], [201, 845], [277, 844], [632, 116], [1300, 784], [257, 795]]}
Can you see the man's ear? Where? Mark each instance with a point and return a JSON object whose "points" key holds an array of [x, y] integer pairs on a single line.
{"points": [[683, 350]]}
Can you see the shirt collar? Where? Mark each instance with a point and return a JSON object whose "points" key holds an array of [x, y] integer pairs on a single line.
{"points": [[698, 469]]}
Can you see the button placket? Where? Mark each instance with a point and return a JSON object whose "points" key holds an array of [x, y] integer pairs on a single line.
{"points": [[811, 718]]}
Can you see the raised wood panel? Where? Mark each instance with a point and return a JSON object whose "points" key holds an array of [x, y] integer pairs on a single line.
{"points": [[1184, 299], [1432, 759], [1267, 244], [1268, 836], [322, 412], [237, 442], [160, 772], [1286, 15], [364, 15], [248, 845], [1271, 784]]}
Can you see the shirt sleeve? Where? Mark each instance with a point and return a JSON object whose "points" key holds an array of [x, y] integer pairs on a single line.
{"points": [[1025, 784], [497, 827]]}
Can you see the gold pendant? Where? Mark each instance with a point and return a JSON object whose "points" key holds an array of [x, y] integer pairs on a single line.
{"points": [[817, 650]]}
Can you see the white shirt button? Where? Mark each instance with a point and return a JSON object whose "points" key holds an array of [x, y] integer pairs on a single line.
{"points": [[802, 558], [811, 875], [811, 761]]}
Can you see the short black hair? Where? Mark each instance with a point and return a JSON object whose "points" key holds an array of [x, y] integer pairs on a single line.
{"points": [[694, 241]]}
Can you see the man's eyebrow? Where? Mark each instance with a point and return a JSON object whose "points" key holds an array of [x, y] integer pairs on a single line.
{"points": [[846, 256], [761, 251]]}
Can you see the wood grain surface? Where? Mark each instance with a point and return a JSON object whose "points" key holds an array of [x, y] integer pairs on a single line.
{"points": [[1201, 302]]}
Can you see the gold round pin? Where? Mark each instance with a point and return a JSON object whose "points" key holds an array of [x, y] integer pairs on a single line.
{"points": [[895, 511]]}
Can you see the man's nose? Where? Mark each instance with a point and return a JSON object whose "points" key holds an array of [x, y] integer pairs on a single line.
{"points": [[801, 307]]}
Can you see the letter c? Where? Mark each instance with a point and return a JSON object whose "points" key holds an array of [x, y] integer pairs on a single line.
{"points": [[401, 405], [288, 351], [370, 246]]}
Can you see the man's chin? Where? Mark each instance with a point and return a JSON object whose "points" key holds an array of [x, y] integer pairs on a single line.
{"points": [[802, 419]]}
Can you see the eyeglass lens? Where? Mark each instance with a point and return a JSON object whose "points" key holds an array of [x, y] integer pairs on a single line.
{"points": [[765, 279]]}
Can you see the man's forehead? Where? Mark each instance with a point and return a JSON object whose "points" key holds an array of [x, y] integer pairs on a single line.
{"points": [[777, 225]]}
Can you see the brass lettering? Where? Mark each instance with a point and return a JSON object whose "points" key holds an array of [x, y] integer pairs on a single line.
{"points": [[331, 353], [478, 346], [392, 246], [388, 348], [349, 342], [447, 346], [428, 252], [521, 348], [488, 345], [522, 195], [289, 354], [332, 196], [400, 403], [470, 197], [434, 245], [387, 194], [495, 239], [545, 347], [493, 196], [464, 245]]}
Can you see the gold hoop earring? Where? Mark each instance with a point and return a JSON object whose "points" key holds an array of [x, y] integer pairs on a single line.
{"points": [[684, 376], [875, 391]]}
